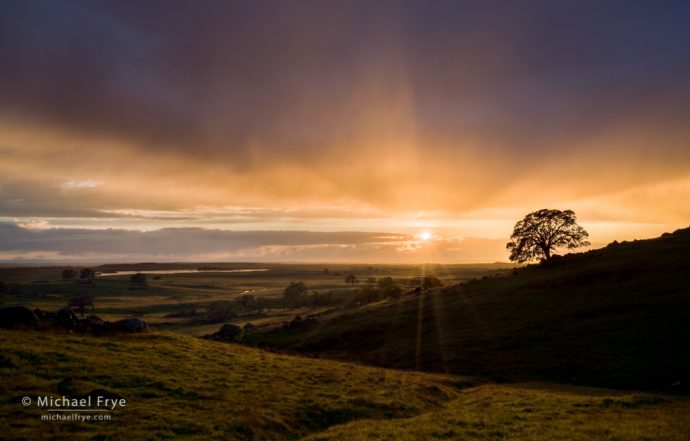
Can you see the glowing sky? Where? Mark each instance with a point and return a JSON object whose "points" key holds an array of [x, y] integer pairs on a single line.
{"points": [[336, 130]]}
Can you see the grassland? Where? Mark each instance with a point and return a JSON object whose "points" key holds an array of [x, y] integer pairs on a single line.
{"points": [[182, 387], [615, 317], [495, 353], [115, 297]]}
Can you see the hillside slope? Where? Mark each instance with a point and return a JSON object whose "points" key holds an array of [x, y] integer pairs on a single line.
{"points": [[185, 388], [615, 317]]}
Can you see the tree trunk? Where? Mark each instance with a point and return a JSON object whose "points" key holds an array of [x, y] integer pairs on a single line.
{"points": [[547, 252]]}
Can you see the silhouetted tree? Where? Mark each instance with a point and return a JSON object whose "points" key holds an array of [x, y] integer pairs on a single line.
{"points": [[87, 274], [388, 287], [138, 279], [295, 294], [351, 279], [541, 232], [371, 280], [80, 302], [69, 274]]}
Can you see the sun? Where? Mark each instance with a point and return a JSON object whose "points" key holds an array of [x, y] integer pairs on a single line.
{"points": [[425, 235]]}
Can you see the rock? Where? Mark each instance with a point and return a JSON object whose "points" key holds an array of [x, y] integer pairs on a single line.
{"points": [[94, 320], [12, 317], [95, 325], [131, 325], [66, 318]]}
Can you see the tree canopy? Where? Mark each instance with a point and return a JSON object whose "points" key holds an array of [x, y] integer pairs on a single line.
{"points": [[295, 293], [69, 273], [541, 232]]}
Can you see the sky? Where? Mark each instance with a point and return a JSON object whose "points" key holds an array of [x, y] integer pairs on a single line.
{"points": [[353, 131]]}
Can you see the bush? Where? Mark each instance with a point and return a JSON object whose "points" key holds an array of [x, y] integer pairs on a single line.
{"points": [[69, 274], [389, 288], [219, 311], [227, 332], [87, 274], [138, 279], [295, 294]]}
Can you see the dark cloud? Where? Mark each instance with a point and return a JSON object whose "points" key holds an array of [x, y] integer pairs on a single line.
{"points": [[172, 241], [183, 244], [334, 115], [233, 77]]}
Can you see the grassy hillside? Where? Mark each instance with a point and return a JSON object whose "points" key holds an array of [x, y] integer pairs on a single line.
{"points": [[614, 317], [532, 412], [182, 387]]}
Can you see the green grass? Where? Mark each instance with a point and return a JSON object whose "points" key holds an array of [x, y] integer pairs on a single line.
{"points": [[43, 287], [532, 412], [177, 385], [183, 387]]}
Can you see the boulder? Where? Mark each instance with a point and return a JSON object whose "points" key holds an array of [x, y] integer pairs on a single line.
{"points": [[93, 324], [131, 325], [66, 318], [12, 317]]}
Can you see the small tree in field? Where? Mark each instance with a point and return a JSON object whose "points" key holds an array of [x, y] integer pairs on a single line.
{"points": [[295, 294], [69, 274], [541, 232], [87, 274], [429, 282], [138, 279], [351, 279]]}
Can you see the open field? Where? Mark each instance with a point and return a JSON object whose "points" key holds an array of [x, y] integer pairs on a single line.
{"points": [[494, 353], [182, 387], [116, 297]]}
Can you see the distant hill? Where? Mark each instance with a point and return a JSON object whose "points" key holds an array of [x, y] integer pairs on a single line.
{"points": [[616, 317]]}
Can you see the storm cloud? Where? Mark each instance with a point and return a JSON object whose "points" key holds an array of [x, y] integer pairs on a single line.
{"points": [[19, 244], [163, 114]]}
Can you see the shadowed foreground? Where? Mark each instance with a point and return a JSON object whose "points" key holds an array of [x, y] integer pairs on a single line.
{"points": [[182, 387], [616, 317]]}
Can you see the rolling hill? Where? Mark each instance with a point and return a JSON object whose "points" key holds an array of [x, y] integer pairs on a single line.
{"points": [[616, 317], [181, 387]]}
